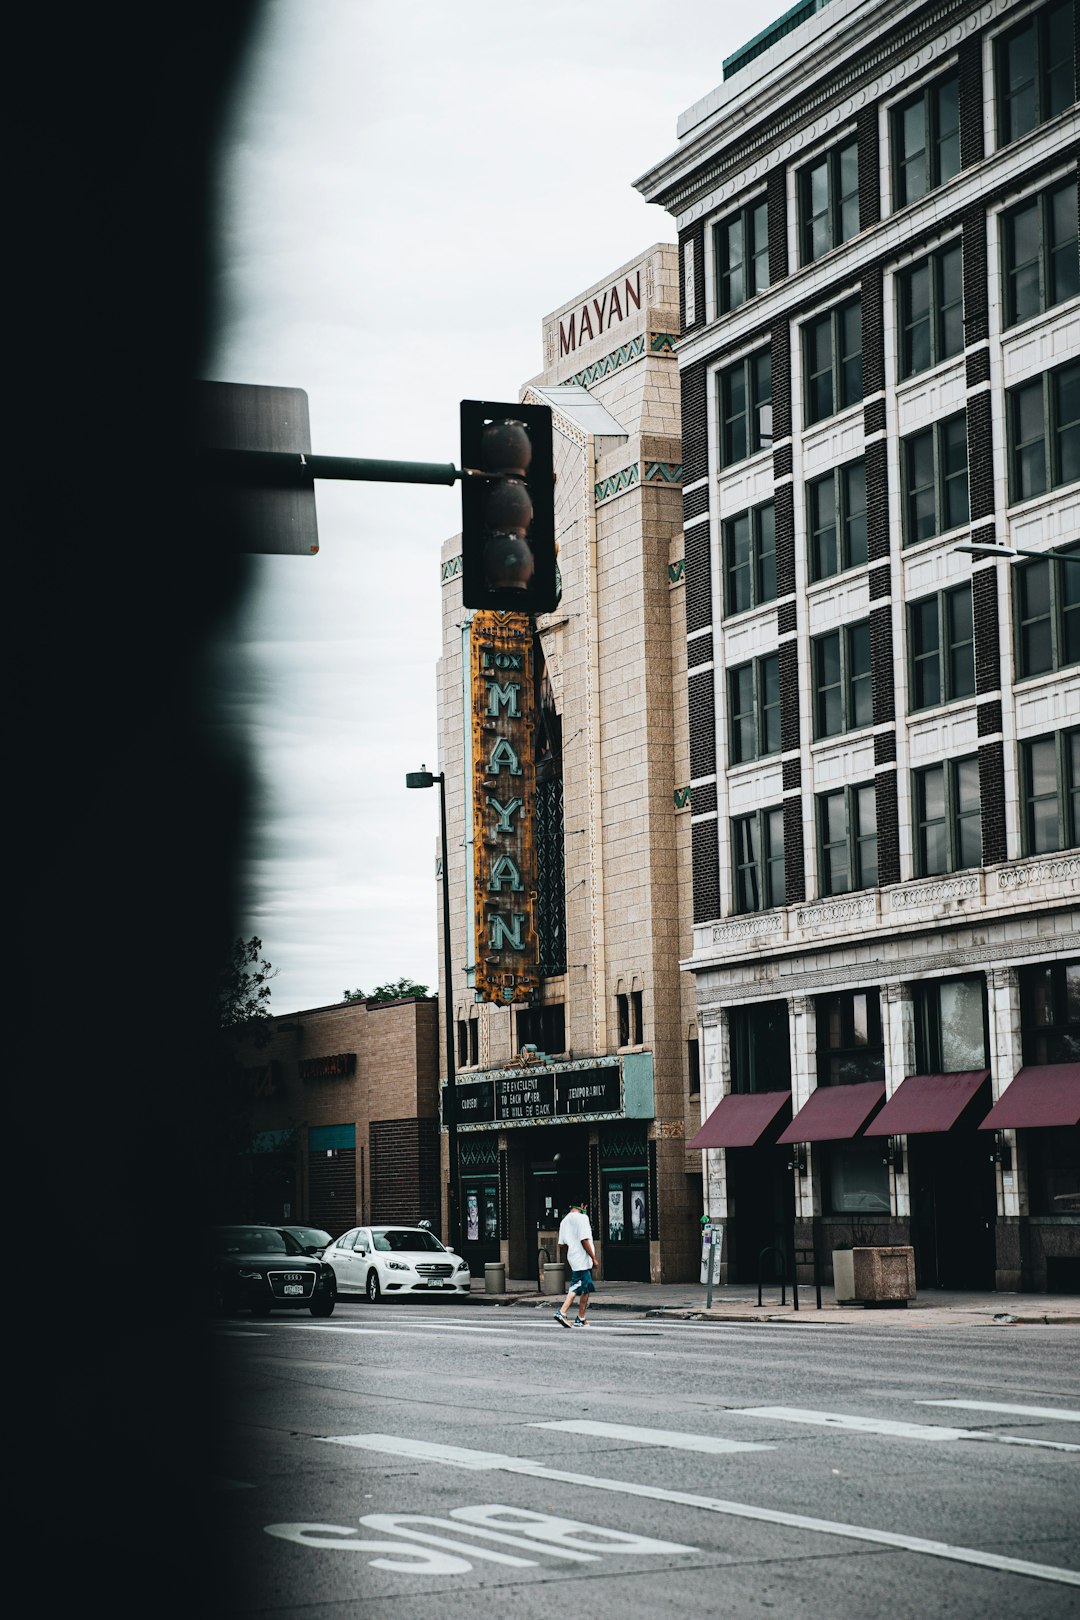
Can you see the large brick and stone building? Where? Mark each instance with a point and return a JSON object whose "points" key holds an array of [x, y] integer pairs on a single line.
{"points": [[602, 1109], [880, 364]]}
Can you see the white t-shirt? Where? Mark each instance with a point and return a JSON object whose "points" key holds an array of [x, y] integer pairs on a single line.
{"points": [[574, 1227]]}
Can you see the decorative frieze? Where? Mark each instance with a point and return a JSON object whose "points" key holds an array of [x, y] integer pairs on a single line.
{"points": [[1059, 871], [916, 896], [827, 913], [765, 925]]}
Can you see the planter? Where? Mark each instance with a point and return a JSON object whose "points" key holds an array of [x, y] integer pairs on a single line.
{"points": [[553, 1278], [874, 1276]]}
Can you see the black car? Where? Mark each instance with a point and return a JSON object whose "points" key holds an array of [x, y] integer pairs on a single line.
{"points": [[259, 1267], [313, 1238]]}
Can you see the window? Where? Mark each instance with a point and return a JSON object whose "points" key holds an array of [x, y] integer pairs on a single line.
{"points": [[1039, 251], [542, 1027], [857, 1178], [693, 1066], [948, 817], [941, 648], [832, 361], [935, 476], [842, 695], [760, 1047], [829, 200], [745, 408], [926, 140], [1044, 432], [754, 709], [468, 1042], [1050, 771], [1034, 70], [950, 1026], [631, 1018], [1048, 612], [836, 520], [742, 256], [750, 558], [850, 1048], [758, 853], [847, 838], [1050, 1012], [931, 310]]}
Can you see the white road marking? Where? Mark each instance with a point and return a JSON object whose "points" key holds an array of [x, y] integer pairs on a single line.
{"points": [[461, 1457], [898, 1430], [1060, 1413], [674, 1439]]}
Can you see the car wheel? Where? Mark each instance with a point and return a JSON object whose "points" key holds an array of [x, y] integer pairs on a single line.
{"points": [[323, 1307], [374, 1292]]}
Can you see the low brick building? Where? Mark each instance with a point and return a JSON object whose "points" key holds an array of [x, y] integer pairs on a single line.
{"points": [[343, 1109]]}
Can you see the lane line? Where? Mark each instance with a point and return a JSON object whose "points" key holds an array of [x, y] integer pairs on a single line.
{"points": [[674, 1439], [1062, 1414], [897, 1429], [461, 1457]]}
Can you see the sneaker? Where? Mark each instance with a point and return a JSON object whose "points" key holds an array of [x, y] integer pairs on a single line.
{"points": [[563, 1320], [581, 1321]]}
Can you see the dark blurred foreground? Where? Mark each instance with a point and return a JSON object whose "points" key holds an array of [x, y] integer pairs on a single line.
{"points": [[124, 818]]}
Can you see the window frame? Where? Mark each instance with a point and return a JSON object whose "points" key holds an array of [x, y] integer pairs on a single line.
{"points": [[952, 819], [930, 98], [762, 712], [938, 307], [1038, 22], [940, 484], [1066, 746], [1055, 1039], [757, 437], [743, 217], [1045, 259], [832, 162], [843, 521], [763, 867], [846, 683], [929, 1044], [867, 1057], [757, 563], [855, 839], [746, 1032], [1051, 437], [839, 360], [945, 648], [1062, 614]]}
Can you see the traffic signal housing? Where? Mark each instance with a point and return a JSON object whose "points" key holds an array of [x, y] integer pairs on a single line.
{"points": [[507, 508]]}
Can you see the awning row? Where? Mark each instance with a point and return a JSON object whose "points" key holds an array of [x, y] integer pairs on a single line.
{"points": [[1037, 1097]]}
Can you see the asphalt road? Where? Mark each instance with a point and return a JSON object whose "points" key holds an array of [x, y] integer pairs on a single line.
{"points": [[413, 1460]]}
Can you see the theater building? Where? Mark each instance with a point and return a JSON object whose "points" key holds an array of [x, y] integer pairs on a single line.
{"points": [[880, 367], [568, 733]]}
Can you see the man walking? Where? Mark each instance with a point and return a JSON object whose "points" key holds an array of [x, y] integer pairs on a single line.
{"points": [[575, 1233]]}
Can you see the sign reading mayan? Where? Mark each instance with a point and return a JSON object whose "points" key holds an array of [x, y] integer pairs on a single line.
{"points": [[504, 797]]}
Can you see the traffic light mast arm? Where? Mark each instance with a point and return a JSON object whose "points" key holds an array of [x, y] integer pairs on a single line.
{"points": [[291, 468]]}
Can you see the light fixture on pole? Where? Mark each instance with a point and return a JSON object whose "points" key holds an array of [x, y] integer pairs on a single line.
{"points": [[985, 549], [423, 778]]}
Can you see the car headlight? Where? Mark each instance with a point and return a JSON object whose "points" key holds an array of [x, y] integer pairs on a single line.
{"points": [[250, 1276], [397, 1265], [463, 1265]]}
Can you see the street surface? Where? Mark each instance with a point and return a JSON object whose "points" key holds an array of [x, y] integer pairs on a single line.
{"points": [[424, 1460]]}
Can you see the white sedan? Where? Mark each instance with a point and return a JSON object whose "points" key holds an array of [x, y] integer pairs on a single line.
{"points": [[378, 1260]]}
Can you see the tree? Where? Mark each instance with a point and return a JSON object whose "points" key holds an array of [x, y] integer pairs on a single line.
{"points": [[395, 990], [244, 992]]}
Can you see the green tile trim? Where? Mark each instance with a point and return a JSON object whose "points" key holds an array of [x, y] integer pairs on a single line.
{"points": [[682, 797], [450, 570], [676, 571], [610, 362], [663, 472], [663, 342], [626, 478]]}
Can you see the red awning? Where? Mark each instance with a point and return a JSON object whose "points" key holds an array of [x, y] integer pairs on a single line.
{"points": [[835, 1113], [739, 1120], [927, 1102], [1047, 1095]]}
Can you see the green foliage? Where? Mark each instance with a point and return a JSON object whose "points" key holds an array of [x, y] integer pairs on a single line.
{"points": [[244, 992], [396, 990]]}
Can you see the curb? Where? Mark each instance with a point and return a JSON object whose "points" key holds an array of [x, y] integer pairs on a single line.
{"points": [[829, 1316]]}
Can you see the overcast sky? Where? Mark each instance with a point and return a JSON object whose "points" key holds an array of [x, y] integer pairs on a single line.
{"points": [[408, 187]]}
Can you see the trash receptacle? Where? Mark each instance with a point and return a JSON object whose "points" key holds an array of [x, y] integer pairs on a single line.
{"points": [[494, 1277], [553, 1280]]}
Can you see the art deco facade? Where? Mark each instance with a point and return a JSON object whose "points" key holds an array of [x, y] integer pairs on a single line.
{"points": [[880, 364]]}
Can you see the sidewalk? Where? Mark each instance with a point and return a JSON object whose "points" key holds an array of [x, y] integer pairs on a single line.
{"points": [[737, 1302]]}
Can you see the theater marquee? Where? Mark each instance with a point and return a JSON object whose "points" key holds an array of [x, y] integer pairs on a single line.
{"points": [[504, 800]]}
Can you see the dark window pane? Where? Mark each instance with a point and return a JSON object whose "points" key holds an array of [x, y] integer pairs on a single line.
{"points": [[968, 810], [861, 711], [912, 171], [953, 456], [770, 702], [925, 654], [919, 478], [1023, 255], [737, 538], [1036, 639], [1058, 74], [951, 283], [851, 382], [915, 315], [947, 111], [854, 488], [1066, 385], [961, 644], [759, 228], [1064, 259], [766, 519], [848, 181], [824, 557], [830, 718]]}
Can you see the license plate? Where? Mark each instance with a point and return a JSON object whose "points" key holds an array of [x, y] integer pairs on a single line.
{"points": [[293, 1288]]}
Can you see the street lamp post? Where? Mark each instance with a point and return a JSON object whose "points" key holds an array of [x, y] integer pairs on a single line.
{"points": [[980, 549], [423, 778]]}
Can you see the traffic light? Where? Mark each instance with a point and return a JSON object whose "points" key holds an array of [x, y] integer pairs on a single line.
{"points": [[507, 508]]}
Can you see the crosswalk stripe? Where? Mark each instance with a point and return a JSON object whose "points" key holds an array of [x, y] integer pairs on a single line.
{"points": [[674, 1439], [897, 1429], [463, 1457], [1062, 1414]]}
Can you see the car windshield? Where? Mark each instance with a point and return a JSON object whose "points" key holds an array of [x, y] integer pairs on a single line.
{"points": [[311, 1236], [255, 1240], [397, 1240]]}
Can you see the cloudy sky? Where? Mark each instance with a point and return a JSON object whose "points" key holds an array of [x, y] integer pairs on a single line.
{"points": [[408, 187]]}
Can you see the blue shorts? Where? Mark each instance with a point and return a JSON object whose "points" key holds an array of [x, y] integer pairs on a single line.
{"points": [[581, 1282]]}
